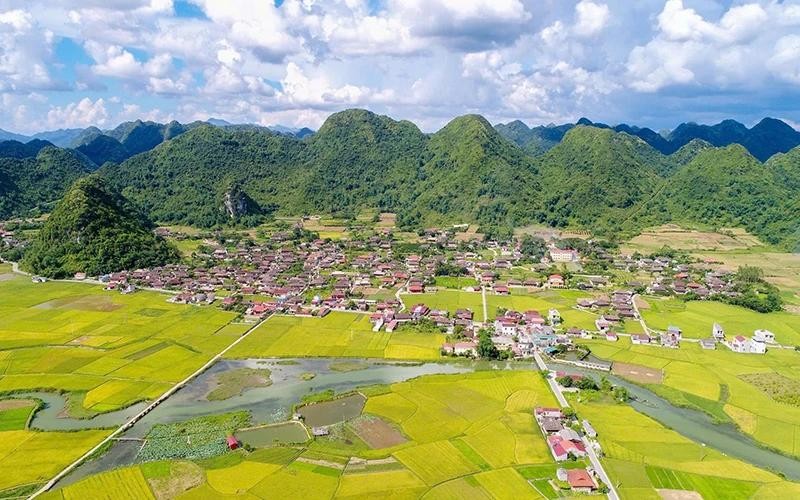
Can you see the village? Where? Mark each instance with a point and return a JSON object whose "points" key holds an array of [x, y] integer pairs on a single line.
{"points": [[379, 277]]}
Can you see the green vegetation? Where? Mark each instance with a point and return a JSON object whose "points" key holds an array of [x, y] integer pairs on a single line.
{"points": [[596, 178], [15, 413], [32, 185], [234, 382], [96, 231], [198, 438]]}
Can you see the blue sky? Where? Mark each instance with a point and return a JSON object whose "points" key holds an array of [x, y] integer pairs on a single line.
{"points": [[293, 62]]}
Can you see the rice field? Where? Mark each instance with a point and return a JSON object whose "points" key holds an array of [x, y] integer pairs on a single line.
{"points": [[339, 334], [729, 386], [562, 300], [28, 457], [697, 317], [484, 430], [113, 350], [448, 300]]}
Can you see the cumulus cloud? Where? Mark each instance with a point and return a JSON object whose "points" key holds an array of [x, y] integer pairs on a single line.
{"points": [[78, 114], [747, 44], [426, 60]]}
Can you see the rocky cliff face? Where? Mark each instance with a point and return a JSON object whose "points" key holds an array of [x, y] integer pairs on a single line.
{"points": [[236, 203]]}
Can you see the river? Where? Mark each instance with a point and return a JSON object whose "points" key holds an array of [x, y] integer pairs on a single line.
{"points": [[698, 426], [274, 403]]}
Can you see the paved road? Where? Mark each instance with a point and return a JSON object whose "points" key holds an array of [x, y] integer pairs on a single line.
{"points": [[598, 466], [127, 425]]}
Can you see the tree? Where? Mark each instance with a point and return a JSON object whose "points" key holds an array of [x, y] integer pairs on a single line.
{"points": [[486, 348], [749, 274]]}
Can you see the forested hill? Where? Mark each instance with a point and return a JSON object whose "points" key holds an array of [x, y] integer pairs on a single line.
{"points": [[95, 230], [594, 178]]}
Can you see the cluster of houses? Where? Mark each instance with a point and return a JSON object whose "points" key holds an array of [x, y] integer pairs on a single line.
{"points": [[757, 344], [564, 443]]}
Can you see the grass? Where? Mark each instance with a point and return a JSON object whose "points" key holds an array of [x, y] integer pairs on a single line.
{"points": [[455, 282], [726, 385], [642, 455], [697, 317], [338, 334]]}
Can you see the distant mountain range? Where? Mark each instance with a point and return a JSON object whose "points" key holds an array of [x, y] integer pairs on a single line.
{"points": [[766, 138], [126, 140], [582, 175]]}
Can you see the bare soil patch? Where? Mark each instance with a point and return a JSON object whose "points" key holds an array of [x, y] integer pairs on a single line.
{"points": [[679, 495], [13, 404], [377, 433], [641, 303], [183, 476], [638, 373]]}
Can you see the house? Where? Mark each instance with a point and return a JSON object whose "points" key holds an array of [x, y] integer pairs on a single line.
{"points": [[501, 290], [554, 316], [580, 481], [461, 348], [611, 336], [709, 344], [562, 448], [551, 425], [80, 276], [602, 325], [505, 326], [233, 443], [543, 412], [764, 336], [717, 332], [555, 281], [640, 339], [747, 346]]}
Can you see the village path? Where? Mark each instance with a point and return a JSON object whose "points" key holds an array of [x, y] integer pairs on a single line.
{"points": [[598, 466], [130, 422]]}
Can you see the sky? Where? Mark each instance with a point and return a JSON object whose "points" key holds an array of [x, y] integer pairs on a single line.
{"points": [[656, 63]]}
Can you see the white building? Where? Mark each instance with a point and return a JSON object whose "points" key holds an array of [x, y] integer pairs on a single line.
{"points": [[717, 332], [764, 336], [566, 255]]}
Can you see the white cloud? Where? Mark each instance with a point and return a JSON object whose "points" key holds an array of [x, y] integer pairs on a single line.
{"points": [[592, 18], [78, 114], [741, 48]]}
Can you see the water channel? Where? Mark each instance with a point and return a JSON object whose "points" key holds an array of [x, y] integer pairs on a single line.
{"points": [[274, 404]]}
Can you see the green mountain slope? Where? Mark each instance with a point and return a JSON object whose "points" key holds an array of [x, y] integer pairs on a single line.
{"points": [[95, 230], [32, 185], [358, 158], [474, 174], [729, 187], [595, 178], [185, 180]]}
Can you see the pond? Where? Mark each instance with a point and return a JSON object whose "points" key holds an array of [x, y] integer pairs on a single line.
{"points": [[271, 435], [332, 412], [698, 426]]}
